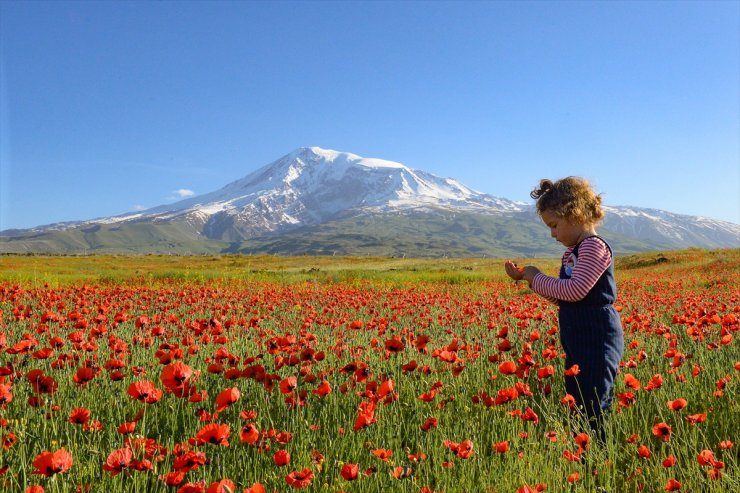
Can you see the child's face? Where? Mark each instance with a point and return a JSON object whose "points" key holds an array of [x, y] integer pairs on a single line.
{"points": [[561, 229]]}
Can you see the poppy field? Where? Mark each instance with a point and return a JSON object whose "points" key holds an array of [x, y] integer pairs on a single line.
{"points": [[379, 376]]}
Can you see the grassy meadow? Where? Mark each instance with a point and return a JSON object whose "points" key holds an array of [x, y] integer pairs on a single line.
{"points": [[364, 374]]}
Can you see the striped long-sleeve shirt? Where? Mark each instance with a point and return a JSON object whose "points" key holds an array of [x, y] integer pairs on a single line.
{"points": [[594, 258]]}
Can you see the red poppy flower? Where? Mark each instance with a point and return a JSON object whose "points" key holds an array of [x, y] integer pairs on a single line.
{"points": [[705, 457], [255, 488], [545, 372], [284, 437], [198, 487], [288, 385], [8, 440], [418, 457], [148, 446], [382, 454], [631, 381], [144, 391], [672, 485], [677, 404], [365, 416], [445, 355], [669, 461], [385, 388], [79, 416], [568, 401], [226, 398], [462, 450], [507, 368], [281, 458], [5, 394], [117, 375], [573, 371], [696, 418], [662, 431], [323, 389], [394, 344], [350, 471], [402, 472], [505, 395], [51, 463], [531, 489], [573, 456], [127, 428], [428, 396], [249, 434], [34, 488], [626, 399], [95, 425], [530, 415], [644, 452], [362, 373], [36, 401], [223, 486], [582, 439], [173, 478], [189, 461], [655, 383], [118, 460], [83, 375], [41, 383], [214, 433], [501, 447], [429, 423], [299, 479], [465, 449], [175, 375]]}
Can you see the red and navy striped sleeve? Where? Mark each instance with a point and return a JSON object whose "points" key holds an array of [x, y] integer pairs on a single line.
{"points": [[594, 258]]}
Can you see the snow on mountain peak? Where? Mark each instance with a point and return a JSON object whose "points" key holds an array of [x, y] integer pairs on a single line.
{"points": [[331, 157], [311, 185]]}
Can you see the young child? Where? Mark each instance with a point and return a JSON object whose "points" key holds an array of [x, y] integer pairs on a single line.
{"points": [[590, 329]]}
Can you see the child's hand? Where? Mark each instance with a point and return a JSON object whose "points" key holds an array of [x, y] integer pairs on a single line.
{"points": [[513, 271], [518, 273]]}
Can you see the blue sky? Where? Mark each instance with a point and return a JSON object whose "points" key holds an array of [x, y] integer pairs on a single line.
{"points": [[107, 107]]}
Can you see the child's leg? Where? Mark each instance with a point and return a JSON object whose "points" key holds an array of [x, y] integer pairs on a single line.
{"points": [[597, 350], [593, 390]]}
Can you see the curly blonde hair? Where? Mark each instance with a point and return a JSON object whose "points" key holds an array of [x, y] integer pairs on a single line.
{"points": [[571, 198]]}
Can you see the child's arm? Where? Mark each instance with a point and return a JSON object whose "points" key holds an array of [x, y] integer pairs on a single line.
{"points": [[593, 259], [527, 273]]}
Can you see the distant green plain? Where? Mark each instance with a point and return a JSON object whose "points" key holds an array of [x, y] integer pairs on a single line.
{"points": [[152, 269]]}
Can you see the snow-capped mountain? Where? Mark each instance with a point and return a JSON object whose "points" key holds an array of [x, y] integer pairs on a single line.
{"points": [[312, 191], [677, 230], [313, 185]]}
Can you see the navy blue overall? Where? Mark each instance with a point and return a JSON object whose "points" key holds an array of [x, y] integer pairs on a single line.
{"points": [[591, 335]]}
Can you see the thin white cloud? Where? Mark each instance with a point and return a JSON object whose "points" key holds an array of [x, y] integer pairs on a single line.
{"points": [[139, 207], [183, 193]]}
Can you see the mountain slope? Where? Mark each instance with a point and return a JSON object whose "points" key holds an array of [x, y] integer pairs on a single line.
{"points": [[317, 201]]}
